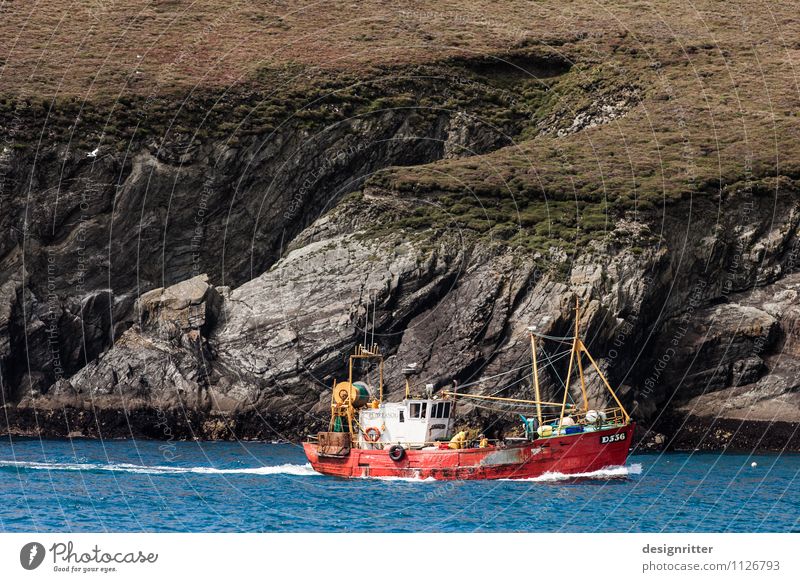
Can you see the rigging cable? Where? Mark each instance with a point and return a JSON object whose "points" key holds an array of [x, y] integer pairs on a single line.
{"points": [[554, 338], [560, 381], [553, 358]]}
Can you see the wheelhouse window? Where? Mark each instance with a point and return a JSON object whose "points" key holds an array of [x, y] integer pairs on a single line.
{"points": [[417, 409], [440, 410], [414, 410]]}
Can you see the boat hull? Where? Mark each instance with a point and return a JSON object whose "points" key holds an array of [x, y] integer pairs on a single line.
{"points": [[568, 454]]}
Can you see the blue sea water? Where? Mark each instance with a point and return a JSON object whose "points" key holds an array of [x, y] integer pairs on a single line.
{"points": [[134, 486]]}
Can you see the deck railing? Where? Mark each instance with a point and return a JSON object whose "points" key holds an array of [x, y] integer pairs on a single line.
{"points": [[613, 417]]}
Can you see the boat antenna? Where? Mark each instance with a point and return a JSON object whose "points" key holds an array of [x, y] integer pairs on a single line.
{"points": [[532, 330], [366, 324], [574, 351], [374, 311]]}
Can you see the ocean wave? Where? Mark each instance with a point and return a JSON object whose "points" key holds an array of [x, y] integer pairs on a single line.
{"points": [[285, 469], [617, 472]]}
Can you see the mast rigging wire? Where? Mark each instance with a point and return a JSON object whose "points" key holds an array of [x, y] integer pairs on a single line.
{"points": [[366, 324], [374, 312], [554, 358], [551, 360]]}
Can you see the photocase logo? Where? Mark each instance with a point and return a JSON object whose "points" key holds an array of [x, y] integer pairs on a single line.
{"points": [[31, 555]]}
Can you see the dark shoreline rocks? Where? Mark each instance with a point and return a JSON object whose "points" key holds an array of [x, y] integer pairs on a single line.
{"points": [[695, 433], [148, 423]]}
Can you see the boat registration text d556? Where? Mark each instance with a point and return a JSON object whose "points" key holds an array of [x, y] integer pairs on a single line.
{"points": [[612, 438]]}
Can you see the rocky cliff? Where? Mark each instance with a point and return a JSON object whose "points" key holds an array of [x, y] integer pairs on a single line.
{"points": [[202, 268]]}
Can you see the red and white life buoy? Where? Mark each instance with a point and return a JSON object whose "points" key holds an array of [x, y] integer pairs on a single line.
{"points": [[372, 434]]}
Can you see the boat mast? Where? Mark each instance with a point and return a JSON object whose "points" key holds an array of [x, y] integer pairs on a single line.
{"points": [[576, 353], [366, 326], [579, 346], [571, 361], [536, 379]]}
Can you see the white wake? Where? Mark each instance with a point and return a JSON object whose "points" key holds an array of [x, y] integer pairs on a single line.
{"points": [[617, 472], [291, 469], [285, 469]]}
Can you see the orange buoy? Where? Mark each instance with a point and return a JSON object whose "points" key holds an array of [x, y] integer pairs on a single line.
{"points": [[372, 434]]}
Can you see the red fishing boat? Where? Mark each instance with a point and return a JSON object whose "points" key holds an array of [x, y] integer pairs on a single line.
{"points": [[414, 438]]}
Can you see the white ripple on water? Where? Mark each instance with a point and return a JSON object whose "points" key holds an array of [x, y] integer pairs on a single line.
{"points": [[617, 472], [285, 469], [291, 469]]}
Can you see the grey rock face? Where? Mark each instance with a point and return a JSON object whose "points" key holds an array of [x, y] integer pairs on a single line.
{"points": [[458, 308], [161, 363], [172, 312], [287, 332], [231, 283], [764, 387], [121, 224]]}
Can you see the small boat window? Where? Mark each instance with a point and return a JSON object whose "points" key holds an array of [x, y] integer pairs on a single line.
{"points": [[440, 410], [402, 416], [417, 409]]}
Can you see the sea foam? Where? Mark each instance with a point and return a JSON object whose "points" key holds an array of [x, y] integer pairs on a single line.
{"points": [[617, 472], [285, 469], [304, 470]]}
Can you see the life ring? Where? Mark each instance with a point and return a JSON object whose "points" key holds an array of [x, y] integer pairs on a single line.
{"points": [[397, 452], [372, 434]]}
